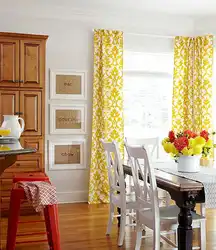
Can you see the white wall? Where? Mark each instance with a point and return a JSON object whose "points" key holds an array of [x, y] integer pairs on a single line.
{"points": [[70, 46], [205, 25]]}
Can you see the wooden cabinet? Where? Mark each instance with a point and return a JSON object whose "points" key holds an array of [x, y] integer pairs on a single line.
{"points": [[9, 62], [22, 63], [28, 104], [32, 63], [31, 112], [9, 103], [22, 86]]}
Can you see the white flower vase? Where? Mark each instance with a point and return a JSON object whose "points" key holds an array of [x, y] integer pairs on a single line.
{"points": [[189, 164]]}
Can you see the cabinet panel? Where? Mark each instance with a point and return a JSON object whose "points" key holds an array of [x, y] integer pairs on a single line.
{"points": [[33, 142], [9, 103], [26, 163], [32, 60], [6, 184], [30, 108], [7, 175], [9, 62], [25, 208]]}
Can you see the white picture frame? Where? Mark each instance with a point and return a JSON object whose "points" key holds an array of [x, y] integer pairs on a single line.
{"points": [[60, 152], [55, 73], [63, 120]]}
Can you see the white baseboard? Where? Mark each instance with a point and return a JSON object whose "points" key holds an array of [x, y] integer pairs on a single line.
{"points": [[72, 197]]}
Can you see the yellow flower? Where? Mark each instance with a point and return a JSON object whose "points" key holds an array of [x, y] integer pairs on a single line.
{"points": [[167, 147], [197, 150], [186, 151], [191, 142], [170, 148], [209, 143], [165, 140], [199, 140]]}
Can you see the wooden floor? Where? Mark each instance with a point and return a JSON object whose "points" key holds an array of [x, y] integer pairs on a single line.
{"points": [[83, 226]]}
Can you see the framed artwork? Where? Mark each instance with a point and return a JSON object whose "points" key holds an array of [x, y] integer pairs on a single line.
{"points": [[68, 119], [68, 84], [67, 154]]}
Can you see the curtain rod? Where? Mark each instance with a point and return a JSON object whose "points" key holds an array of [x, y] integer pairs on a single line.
{"points": [[144, 34], [156, 36]]}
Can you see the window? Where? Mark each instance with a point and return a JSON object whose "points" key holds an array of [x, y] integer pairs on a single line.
{"points": [[147, 94]]}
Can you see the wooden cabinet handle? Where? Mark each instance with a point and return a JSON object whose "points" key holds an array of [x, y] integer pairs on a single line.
{"points": [[18, 164]]}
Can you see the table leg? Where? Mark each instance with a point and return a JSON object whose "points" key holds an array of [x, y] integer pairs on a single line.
{"points": [[185, 232], [186, 201], [119, 218]]}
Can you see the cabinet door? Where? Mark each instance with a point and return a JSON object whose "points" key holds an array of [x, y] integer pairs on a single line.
{"points": [[32, 60], [9, 103], [9, 62], [31, 112]]}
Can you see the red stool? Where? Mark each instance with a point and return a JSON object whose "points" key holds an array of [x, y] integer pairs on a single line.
{"points": [[50, 213]]}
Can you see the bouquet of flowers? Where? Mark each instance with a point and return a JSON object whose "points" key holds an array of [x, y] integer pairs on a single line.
{"points": [[188, 143]]}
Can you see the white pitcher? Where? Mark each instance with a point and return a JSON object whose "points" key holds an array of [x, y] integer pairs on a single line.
{"points": [[12, 122]]}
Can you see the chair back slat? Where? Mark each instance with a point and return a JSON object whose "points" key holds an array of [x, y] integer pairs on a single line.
{"points": [[145, 189], [150, 144], [115, 168]]}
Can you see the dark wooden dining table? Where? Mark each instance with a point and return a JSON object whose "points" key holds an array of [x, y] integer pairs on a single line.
{"points": [[186, 193], [8, 156]]}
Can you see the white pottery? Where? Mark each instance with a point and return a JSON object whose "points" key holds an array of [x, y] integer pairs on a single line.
{"points": [[12, 122], [189, 164]]}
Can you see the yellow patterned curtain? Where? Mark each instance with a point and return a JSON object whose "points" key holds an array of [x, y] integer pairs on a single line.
{"points": [[192, 86], [107, 117]]}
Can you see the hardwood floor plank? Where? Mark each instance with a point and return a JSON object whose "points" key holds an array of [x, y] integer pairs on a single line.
{"points": [[83, 227]]}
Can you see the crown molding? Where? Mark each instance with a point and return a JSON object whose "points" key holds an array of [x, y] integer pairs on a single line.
{"points": [[71, 13]]}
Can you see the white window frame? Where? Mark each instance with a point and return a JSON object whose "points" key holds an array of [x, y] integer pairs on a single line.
{"points": [[152, 73]]}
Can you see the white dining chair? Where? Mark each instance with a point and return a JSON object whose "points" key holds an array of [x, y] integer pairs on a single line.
{"points": [[117, 193], [152, 146], [162, 220]]}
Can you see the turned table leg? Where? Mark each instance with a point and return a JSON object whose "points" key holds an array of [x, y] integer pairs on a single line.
{"points": [[185, 232]]}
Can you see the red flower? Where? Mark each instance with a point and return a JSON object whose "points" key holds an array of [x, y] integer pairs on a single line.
{"points": [[181, 143], [188, 133], [204, 134], [194, 135], [171, 136]]}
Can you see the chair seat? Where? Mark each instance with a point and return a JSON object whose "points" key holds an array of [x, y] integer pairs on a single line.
{"points": [[168, 216], [170, 213], [130, 200]]}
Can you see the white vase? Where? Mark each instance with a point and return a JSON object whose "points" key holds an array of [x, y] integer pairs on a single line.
{"points": [[189, 164]]}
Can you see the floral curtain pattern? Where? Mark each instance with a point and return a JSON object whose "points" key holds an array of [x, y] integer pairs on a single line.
{"points": [[192, 86], [203, 70], [107, 117]]}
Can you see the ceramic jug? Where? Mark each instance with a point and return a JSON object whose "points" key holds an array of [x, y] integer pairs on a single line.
{"points": [[12, 122]]}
